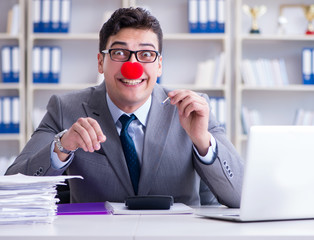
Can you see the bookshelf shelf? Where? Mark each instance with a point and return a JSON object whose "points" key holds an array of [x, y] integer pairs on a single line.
{"points": [[288, 88], [194, 36], [9, 36], [196, 88], [63, 87], [277, 38], [8, 86], [10, 137], [64, 36]]}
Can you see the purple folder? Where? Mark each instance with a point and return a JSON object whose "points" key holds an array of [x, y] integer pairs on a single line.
{"points": [[91, 208]]}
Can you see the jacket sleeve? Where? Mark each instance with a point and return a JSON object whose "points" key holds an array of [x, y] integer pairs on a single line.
{"points": [[225, 175]]}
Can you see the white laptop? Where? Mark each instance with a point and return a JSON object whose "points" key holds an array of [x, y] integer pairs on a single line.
{"points": [[278, 179]]}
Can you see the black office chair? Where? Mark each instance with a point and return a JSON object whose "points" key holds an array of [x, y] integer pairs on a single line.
{"points": [[206, 196], [63, 193]]}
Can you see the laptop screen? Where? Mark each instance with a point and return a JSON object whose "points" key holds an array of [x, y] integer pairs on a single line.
{"points": [[279, 173]]}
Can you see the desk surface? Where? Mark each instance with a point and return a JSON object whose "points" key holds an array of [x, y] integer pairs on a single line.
{"points": [[187, 226]]}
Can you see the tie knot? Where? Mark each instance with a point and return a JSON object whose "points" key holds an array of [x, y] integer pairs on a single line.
{"points": [[126, 120]]}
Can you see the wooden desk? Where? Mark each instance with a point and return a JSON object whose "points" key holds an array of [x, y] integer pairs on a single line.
{"points": [[89, 227]]}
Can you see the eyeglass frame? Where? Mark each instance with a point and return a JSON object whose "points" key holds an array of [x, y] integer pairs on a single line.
{"points": [[108, 51]]}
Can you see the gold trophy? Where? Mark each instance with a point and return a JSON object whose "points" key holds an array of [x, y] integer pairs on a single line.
{"points": [[309, 15], [255, 12], [308, 12]]}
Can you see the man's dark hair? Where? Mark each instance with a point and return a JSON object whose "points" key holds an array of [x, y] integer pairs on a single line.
{"points": [[138, 18]]}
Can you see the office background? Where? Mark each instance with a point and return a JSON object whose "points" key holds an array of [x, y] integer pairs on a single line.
{"points": [[251, 78]]}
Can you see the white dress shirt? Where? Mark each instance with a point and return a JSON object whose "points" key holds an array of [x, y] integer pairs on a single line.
{"points": [[136, 131]]}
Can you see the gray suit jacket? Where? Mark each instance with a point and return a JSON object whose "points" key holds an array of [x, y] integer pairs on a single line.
{"points": [[169, 165]]}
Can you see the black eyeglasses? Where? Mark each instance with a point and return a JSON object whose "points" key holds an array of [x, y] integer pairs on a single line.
{"points": [[124, 55]]}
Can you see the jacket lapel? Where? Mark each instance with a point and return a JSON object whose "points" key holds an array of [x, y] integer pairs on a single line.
{"points": [[111, 148], [157, 129]]}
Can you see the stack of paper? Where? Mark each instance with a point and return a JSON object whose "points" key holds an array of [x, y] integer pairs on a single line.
{"points": [[29, 199]]}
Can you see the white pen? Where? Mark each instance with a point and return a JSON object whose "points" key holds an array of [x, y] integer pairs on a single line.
{"points": [[166, 100]]}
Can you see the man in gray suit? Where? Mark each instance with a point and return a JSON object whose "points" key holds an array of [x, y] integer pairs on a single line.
{"points": [[177, 141]]}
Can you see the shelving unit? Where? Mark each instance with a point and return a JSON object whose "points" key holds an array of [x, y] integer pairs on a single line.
{"points": [[182, 51], [181, 54], [11, 144], [276, 105], [80, 44]]}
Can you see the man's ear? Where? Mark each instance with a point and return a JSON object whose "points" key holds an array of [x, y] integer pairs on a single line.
{"points": [[159, 72], [100, 59]]}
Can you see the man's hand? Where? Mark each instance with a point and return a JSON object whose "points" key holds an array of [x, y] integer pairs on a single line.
{"points": [[85, 133], [194, 116]]}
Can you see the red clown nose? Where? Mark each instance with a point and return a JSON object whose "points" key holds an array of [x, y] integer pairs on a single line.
{"points": [[131, 70]]}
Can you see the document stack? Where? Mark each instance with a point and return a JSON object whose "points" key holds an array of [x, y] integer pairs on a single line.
{"points": [[29, 199]]}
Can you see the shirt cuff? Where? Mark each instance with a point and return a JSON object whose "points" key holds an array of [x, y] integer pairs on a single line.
{"points": [[211, 155], [56, 163]]}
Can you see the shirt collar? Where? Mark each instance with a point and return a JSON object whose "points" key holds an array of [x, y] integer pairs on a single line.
{"points": [[141, 113]]}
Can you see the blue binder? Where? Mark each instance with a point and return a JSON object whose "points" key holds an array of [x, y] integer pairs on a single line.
{"points": [[307, 65], [15, 66], [312, 61], [212, 16], [193, 16], [220, 16], [37, 16], [55, 16], [37, 64], [55, 66], [45, 64], [15, 112], [1, 116], [65, 15], [6, 66], [46, 16], [202, 16], [6, 114]]}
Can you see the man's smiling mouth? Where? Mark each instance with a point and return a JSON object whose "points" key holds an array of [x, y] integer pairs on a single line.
{"points": [[131, 82]]}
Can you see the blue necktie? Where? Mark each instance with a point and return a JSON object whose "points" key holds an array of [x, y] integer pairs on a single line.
{"points": [[130, 151]]}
